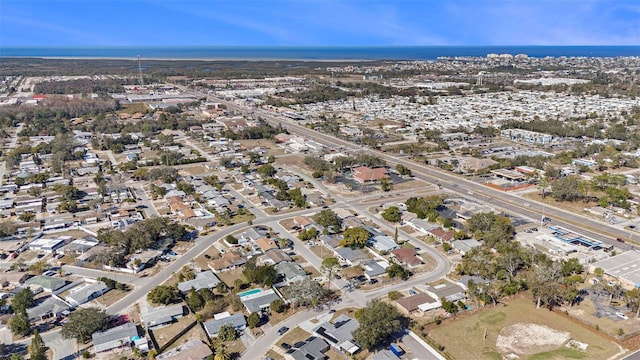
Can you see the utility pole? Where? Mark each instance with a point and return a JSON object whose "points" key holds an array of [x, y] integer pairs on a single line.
{"points": [[140, 72]]}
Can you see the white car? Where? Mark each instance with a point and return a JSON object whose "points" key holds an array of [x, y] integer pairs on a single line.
{"points": [[622, 316], [49, 273]]}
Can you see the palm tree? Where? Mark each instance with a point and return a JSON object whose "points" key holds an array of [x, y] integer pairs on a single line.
{"points": [[221, 353]]}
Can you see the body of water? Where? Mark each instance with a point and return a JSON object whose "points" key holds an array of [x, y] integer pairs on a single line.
{"points": [[314, 53]]}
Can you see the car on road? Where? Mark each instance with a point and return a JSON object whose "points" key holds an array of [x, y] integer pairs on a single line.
{"points": [[619, 240], [281, 331], [470, 192]]}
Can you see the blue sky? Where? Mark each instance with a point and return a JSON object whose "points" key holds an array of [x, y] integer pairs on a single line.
{"points": [[318, 22]]}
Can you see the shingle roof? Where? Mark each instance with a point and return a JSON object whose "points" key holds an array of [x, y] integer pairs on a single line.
{"points": [[206, 279]]}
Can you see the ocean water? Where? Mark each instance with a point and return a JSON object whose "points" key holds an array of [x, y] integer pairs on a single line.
{"points": [[314, 53]]}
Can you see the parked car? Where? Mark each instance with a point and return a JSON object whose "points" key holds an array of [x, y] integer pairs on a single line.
{"points": [[285, 346], [283, 330]]}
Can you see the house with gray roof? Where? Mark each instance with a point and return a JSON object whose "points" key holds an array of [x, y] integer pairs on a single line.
{"points": [[204, 280], [259, 301], [212, 327], [383, 243], [373, 269], [114, 338], [274, 256], [158, 317], [291, 271], [350, 256], [86, 293], [312, 348], [338, 333], [447, 290], [464, 246], [47, 283], [51, 306]]}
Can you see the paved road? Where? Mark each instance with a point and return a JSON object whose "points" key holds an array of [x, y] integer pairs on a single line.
{"points": [[150, 209], [633, 356]]}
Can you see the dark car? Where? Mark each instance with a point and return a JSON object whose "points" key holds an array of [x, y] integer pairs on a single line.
{"points": [[619, 240], [283, 330], [373, 281], [285, 346]]}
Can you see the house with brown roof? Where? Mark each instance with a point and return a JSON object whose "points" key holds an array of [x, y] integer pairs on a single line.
{"points": [[234, 124], [406, 256], [418, 302], [266, 244], [441, 234], [364, 174], [229, 260], [302, 221], [274, 256]]}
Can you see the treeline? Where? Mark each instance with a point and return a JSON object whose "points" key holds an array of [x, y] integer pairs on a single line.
{"points": [[142, 235], [83, 86], [53, 114], [556, 128], [262, 131]]}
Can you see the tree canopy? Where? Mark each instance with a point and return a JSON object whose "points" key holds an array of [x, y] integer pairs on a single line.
{"points": [[83, 323], [355, 237], [329, 219], [379, 321]]}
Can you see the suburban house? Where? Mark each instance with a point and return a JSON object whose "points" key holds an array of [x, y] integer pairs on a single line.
{"points": [[114, 338], [338, 333], [191, 350], [229, 260], [85, 293], [363, 174], [374, 268], [383, 243], [313, 348], [158, 317], [350, 256], [464, 246], [260, 301], [212, 327], [290, 271], [204, 280], [274, 256], [50, 307], [442, 235], [446, 290], [418, 302], [47, 283], [407, 256]]}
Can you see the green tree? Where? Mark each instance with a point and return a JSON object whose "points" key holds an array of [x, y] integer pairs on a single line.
{"points": [[227, 333], [19, 322], [395, 269], [394, 295], [83, 323], [328, 219], [37, 349], [195, 300], [392, 213], [266, 170], [23, 300], [378, 322], [222, 353], [164, 294], [329, 266], [278, 306], [253, 320], [355, 237], [27, 216]]}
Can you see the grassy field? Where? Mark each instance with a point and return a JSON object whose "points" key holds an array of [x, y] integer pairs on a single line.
{"points": [[464, 338]]}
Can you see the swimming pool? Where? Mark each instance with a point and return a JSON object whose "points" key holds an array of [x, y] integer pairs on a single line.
{"points": [[249, 292]]}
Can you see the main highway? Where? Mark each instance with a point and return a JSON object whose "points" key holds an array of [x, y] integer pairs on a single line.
{"points": [[504, 201]]}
